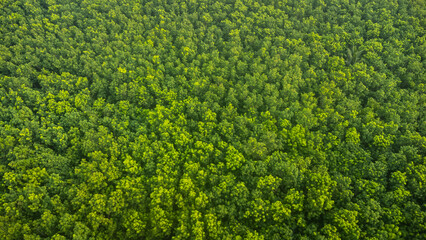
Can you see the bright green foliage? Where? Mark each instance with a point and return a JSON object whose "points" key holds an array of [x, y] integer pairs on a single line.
{"points": [[238, 119]]}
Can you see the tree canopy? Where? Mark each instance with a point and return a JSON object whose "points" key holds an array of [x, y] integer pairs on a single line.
{"points": [[202, 119]]}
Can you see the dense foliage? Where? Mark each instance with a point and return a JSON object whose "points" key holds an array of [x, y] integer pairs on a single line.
{"points": [[203, 119]]}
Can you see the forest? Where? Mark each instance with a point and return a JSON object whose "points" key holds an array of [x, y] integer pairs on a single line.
{"points": [[212, 119]]}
